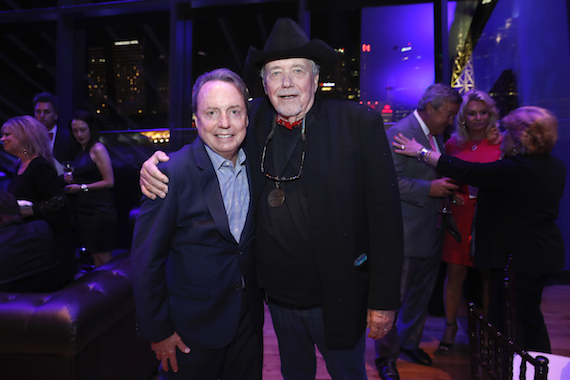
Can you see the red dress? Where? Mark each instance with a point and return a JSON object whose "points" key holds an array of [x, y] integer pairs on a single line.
{"points": [[454, 252]]}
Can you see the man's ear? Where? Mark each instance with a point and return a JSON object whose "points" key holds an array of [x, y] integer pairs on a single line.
{"points": [[316, 82]]}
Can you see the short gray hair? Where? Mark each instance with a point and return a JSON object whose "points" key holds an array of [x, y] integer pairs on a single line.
{"points": [[224, 75], [437, 94]]}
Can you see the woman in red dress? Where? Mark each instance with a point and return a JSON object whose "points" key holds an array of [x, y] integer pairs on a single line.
{"points": [[476, 139]]}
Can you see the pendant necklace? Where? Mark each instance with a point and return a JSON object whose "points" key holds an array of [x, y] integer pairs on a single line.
{"points": [[276, 196], [475, 145]]}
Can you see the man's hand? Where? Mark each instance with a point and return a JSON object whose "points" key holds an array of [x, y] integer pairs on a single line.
{"points": [[165, 351], [379, 322], [442, 187], [152, 181], [457, 198]]}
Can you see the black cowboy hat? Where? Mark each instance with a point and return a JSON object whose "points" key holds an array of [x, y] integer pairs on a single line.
{"points": [[288, 40]]}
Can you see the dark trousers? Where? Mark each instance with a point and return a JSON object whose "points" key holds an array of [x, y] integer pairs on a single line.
{"points": [[418, 280], [240, 360], [530, 330]]}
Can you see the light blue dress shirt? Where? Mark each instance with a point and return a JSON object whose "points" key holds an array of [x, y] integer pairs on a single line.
{"points": [[234, 187]]}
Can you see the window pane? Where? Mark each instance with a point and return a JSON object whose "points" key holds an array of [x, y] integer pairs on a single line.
{"points": [[127, 71], [397, 58], [27, 65]]}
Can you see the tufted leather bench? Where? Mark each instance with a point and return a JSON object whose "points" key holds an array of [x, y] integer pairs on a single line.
{"points": [[86, 330]]}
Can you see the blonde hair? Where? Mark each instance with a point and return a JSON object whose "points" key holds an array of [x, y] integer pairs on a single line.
{"points": [[32, 134], [535, 128], [492, 130]]}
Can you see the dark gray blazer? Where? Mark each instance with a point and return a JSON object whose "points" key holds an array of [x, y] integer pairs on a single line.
{"points": [[419, 211]]}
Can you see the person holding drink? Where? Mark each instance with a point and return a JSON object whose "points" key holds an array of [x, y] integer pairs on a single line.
{"points": [[89, 181]]}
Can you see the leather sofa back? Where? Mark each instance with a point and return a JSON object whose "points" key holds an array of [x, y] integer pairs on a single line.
{"points": [[64, 322]]}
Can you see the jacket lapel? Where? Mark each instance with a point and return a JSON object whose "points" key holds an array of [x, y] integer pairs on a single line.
{"points": [[211, 189], [419, 134], [440, 144]]}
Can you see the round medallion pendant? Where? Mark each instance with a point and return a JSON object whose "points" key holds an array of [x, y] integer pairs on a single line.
{"points": [[276, 198]]}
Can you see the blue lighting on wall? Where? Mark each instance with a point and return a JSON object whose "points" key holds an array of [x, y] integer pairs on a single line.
{"points": [[397, 55]]}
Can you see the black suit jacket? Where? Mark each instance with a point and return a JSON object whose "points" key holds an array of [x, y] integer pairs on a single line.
{"points": [[187, 266], [353, 208], [517, 207], [62, 147]]}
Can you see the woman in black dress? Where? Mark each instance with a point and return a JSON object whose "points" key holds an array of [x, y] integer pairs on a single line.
{"points": [[89, 187], [517, 207], [37, 187]]}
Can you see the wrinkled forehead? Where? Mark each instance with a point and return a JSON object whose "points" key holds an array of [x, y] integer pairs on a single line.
{"points": [[287, 63]]}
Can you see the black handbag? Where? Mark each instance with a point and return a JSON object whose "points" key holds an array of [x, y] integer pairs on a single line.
{"points": [[449, 223]]}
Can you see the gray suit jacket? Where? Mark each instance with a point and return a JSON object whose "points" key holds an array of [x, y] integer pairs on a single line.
{"points": [[419, 210]]}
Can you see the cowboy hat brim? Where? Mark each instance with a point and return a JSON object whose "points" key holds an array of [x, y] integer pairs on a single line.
{"points": [[316, 50]]}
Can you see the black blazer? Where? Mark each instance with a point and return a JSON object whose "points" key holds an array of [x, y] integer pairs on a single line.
{"points": [[517, 207], [353, 208], [62, 147], [187, 266]]}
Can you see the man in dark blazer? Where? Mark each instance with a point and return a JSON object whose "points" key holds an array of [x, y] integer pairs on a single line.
{"points": [[329, 228], [195, 285], [421, 195], [46, 111]]}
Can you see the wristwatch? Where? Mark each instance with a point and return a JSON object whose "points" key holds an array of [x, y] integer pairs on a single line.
{"points": [[84, 188]]}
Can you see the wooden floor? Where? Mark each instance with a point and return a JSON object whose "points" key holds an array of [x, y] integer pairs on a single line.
{"points": [[555, 307]]}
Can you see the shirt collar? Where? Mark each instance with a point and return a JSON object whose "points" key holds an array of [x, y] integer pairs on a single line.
{"points": [[425, 129], [218, 161]]}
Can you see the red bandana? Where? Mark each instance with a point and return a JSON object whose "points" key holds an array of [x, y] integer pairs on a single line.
{"points": [[286, 124]]}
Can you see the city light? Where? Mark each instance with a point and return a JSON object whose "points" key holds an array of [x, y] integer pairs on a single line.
{"points": [[124, 43]]}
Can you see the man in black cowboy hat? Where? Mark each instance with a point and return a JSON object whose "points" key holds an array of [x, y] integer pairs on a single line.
{"points": [[329, 229]]}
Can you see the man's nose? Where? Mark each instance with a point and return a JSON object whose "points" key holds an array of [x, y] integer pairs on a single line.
{"points": [[287, 81], [224, 121]]}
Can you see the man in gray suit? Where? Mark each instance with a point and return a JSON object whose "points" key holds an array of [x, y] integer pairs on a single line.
{"points": [[421, 196]]}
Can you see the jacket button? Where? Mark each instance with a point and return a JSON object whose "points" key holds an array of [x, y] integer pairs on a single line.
{"points": [[240, 253], [237, 286]]}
